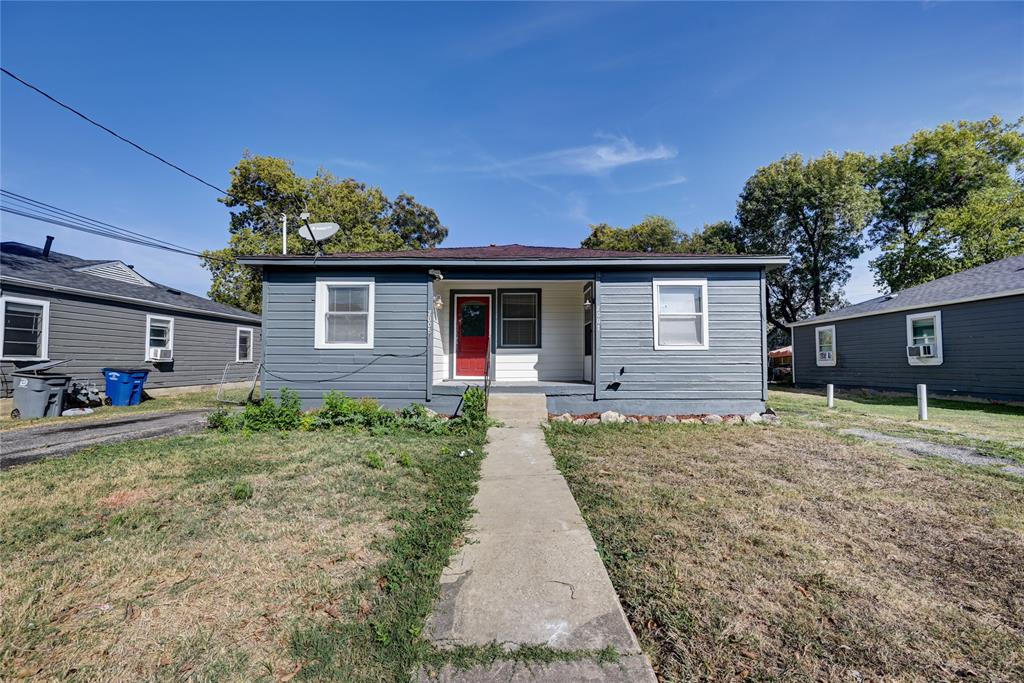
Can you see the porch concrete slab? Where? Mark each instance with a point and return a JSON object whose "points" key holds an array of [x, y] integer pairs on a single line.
{"points": [[530, 573], [629, 669]]}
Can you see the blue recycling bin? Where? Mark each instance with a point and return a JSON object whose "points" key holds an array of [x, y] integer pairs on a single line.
{"points": [[124, 387]]}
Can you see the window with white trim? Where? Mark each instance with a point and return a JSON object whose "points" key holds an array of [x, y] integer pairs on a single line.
{"points": [[924, 338], [159, 338], [344, 314], [825, 345], [520, 320], [243, 344], [680, 315], [26, 330]]}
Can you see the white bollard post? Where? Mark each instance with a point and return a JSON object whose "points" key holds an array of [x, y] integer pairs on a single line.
{"points": [[922, 401], [830, 396]]}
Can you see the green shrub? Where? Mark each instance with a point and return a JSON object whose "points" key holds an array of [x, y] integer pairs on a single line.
{"points": [[375, 461], [241, 490], [474, 410], [262, 416], [222, 420], [405, 460]]}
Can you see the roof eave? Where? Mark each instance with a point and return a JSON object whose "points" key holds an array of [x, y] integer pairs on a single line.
{"points": [[769, 262], [247, 317], [910, 307]]}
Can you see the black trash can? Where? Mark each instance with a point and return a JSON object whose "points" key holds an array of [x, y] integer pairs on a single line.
{"points": [[38, 393]]}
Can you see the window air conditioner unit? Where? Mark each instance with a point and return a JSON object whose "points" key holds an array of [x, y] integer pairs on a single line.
{"points": [[824, 355], [156, 354], [921, 351]]}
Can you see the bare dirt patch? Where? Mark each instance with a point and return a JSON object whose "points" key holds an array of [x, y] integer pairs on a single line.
{"points": [[792, 554]]}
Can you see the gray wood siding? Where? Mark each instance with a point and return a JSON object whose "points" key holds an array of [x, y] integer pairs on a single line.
{"points": [[731, 369], [981, 349], [99, 334], [394, 371]]}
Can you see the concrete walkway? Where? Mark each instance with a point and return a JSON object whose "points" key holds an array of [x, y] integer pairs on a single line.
{"points": [[64, 437], [530, 573]]}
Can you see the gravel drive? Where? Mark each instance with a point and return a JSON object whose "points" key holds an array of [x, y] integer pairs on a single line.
{"points": [[57, 440]]}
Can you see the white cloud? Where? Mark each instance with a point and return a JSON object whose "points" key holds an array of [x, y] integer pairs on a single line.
{"points": [[597, 159], [657, 185]]}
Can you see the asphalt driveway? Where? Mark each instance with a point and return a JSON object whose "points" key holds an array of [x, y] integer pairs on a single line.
{"points": [[60, 439]]}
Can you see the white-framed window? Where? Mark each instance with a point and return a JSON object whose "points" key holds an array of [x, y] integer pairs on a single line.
{"points": [[25, 334], [680, 315], [159, 338], [344, 314], [243, 344], [924, 338], [520, 320], [825, 345]]}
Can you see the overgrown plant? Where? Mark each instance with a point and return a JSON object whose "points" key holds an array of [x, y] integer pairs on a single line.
{"points": [[339, 410]]}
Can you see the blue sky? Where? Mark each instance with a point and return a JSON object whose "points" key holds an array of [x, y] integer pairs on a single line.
{"points": [[516, 122]]}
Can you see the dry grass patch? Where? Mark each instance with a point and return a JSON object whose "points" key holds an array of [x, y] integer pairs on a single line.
{"points": [[136, 562], [783, 553]]}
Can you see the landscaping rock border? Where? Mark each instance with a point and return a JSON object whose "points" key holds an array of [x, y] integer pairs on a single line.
{"points": [[611, 417]]}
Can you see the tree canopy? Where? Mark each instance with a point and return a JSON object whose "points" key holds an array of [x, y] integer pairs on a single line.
{"points": [[949, 201], [263, 188], [815, 212], [660, 234]]}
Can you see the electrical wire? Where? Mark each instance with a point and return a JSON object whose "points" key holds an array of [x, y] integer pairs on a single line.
{"points": [[47, 213], [115, 134]]}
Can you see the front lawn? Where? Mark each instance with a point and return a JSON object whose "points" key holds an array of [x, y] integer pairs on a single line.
{"points": [[312, 555], [793, 553]]}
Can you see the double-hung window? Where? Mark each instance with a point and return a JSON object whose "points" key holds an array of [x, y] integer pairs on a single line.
{"points": [[344, 314], [26, 329], [243, 345], [680, 314], [520, 319], [159, 338], [924, 338], [825, 345]]}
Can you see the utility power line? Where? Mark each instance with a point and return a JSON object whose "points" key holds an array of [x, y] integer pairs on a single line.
{"points": [[27, 207], [114, 133]]}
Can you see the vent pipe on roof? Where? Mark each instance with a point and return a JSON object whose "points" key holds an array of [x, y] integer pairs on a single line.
{"points": [[46, 247]]}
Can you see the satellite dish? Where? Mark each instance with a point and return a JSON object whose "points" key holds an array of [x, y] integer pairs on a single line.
{"points": [[318, 232]]}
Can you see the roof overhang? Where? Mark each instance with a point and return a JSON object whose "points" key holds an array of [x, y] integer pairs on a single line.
{"points": [[252, 319], [769, 262], [909, 307]]}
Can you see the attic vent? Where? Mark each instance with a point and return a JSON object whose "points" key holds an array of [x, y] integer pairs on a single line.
{"points": [[115, 270]]}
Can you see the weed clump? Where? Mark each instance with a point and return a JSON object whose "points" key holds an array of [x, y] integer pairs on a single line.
{"points": [[241, 491]]}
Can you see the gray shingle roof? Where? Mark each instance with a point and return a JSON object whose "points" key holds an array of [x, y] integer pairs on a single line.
{"points": [[992, 279], [26, 263]]}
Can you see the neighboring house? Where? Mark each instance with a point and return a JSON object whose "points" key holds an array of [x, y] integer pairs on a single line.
{"points": [[638, 333], [780, 364], [104, 314], [959, 335]]}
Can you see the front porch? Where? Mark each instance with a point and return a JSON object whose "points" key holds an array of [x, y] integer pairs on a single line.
{"points": [[526, 336]]}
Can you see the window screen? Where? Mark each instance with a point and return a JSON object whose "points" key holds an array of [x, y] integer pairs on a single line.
{"points": [[159, 334], [348, 314], [244, 345], [519, 316], [923, 331], [680, 315], [23, 330]]}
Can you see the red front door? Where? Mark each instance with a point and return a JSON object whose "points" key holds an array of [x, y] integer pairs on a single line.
{"points": [[472, 334]]}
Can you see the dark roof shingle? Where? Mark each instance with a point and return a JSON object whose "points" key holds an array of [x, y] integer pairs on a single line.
{"points": [[992, 279], [26, 262]]}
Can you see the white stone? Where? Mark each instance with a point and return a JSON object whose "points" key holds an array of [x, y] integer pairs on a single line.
{"points": [[753, 418], [610, 416], [632, 420], [564, 417], [768, 418], [671, 419], [592, 421], [712, 419]]}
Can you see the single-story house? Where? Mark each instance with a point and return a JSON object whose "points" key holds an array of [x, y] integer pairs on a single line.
{"points": [[959, 335], [638, 333], [102, 313]]}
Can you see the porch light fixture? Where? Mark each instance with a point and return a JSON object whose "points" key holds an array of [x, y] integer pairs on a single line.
{"points": [[438, 302]]}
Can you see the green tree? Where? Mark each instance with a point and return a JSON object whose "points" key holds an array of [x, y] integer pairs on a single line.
{"points": [[264, 188], [815, 212], [989, 226], [956, 172], [660, 234]]}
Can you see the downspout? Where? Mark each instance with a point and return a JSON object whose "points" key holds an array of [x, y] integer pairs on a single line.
{"points": [[596, 373], [430, 339], [764, 335]]}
